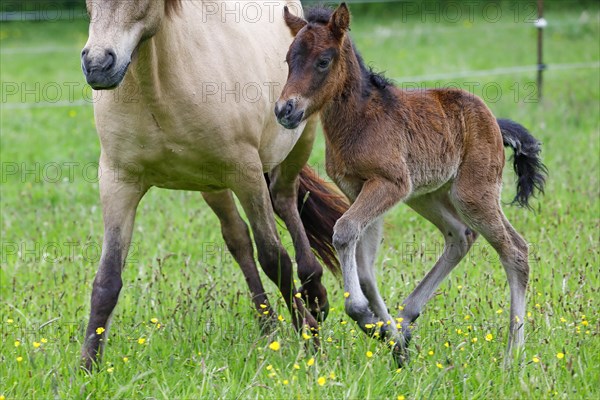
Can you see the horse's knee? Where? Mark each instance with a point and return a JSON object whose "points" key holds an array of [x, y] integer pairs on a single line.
{"points": [[345, 232], [105, 292], [356, 308]]}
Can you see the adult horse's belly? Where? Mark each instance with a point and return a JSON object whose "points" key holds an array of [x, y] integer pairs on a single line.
{"points": [[204, 153]]}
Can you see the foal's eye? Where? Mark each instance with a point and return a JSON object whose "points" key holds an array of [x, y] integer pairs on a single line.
{"points": [[323, 64]]}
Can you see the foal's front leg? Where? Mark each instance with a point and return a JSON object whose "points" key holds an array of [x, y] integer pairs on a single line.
{"points": [[375, 198]]}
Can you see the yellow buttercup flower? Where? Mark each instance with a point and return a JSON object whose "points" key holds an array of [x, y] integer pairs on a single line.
{"points": [[400, 397], [439, 365], [286, 382], [110, 370], [369, 326], [431, 352], [263, 306], [9, 321], [499, 311], [560, 356], [298, 295], [269, 367], [535, 359], [125, 360], [44, 340], [346, 295], [331, 375], [19, 359], [275, 346], [321, 381], [305, 335], [489, 337], [36, 344], [17, 343], [369, 354], [296, 366], [100, 330], [311, 361], [154, 320], [280, 318], [141, 340]]}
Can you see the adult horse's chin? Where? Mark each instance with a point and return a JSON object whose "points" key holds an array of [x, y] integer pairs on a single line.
{"points": [[101, 80]]}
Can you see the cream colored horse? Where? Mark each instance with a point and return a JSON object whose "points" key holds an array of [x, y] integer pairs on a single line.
{"points": [[195, 84]]}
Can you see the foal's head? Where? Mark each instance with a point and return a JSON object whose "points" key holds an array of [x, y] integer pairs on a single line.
{"points": [[314, 63], [116, 29]]}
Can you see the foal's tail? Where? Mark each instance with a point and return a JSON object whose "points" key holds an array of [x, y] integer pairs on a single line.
{"points": [[528, 166], [320, 206]]}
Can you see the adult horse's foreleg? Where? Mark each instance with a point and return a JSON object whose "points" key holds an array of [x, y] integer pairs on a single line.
{"points": [[237, 238], [120, 197], [275, 261], [284, 192], [375, 198]]}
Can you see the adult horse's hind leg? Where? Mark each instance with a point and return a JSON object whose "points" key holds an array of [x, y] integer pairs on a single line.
{"points": [[436, 208], [284, 192], [237, 238], [120, 199], [275, 261], [486, 216]]}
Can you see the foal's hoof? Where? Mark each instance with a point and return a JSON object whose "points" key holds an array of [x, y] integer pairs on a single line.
{"points": [[318, 305]]}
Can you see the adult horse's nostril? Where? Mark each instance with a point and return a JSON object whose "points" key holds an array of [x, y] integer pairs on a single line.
{"points": [[85, 61], [109, 60]]}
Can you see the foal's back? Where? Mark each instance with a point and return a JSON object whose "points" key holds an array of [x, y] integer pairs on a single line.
{"points": [[436, 134]]}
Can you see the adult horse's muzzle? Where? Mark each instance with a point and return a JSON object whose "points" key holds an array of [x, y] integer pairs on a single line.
{"points": [[102, 69], [287, 113]]}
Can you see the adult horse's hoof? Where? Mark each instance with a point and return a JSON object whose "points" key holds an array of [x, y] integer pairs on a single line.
{"points": [[267, 323], [317, 304], [400, 350]]}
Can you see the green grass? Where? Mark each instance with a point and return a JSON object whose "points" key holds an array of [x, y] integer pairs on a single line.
{"points": [[208, 344]]}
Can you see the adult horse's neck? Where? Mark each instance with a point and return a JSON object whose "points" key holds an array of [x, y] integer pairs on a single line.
{"points": [[161, 61]]}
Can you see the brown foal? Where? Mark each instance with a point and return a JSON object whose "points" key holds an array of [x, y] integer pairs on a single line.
{"points": [[439, 151]]}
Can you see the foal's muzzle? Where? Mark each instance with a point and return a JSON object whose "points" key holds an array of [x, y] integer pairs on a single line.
{"points": [[287, 114], [102, 69]]}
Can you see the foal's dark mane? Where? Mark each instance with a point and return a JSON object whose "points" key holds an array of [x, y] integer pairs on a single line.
{"points": [[373, 80]]}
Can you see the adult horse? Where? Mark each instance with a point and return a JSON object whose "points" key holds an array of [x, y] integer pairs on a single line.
{"points": [[195, 83]]}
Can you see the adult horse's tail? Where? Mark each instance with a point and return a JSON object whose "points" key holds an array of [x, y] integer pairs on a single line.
{"points": [[528, 166], [320, 206]]}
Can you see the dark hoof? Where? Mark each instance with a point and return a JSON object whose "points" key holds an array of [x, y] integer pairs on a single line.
{"points": [[317, 305], [267, 323], [400, 350]]}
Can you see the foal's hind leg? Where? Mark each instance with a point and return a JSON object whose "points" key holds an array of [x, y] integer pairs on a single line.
{"points": [[119, 203], [437, 208], [237, 238], [486, 216]]}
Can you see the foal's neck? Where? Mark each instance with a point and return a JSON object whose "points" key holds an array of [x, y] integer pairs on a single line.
{"points": [[347, 103]]}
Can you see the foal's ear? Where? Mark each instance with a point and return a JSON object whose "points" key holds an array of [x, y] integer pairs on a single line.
{"points": [[339, 22], [293, 22]]}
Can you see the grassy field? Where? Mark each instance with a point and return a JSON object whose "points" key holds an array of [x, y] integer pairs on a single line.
{"points": [[184, 327]]}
